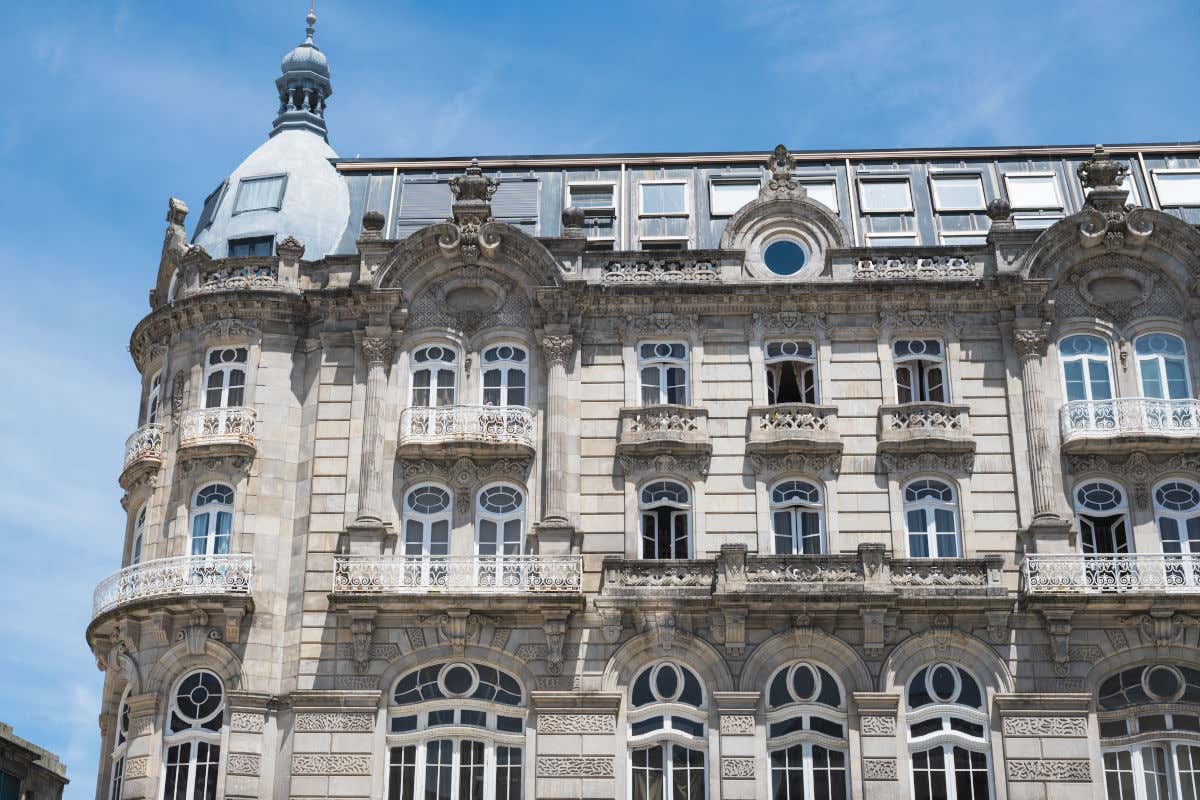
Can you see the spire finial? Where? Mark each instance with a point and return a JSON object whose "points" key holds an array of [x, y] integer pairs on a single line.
{"points": [[311, 19]]}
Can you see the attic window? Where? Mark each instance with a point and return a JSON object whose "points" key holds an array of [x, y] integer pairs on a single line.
{"points": [[209, 212], [253, 246], [260, 194]]}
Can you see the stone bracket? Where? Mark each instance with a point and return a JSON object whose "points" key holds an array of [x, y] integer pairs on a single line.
{"points": [[362, 627]]}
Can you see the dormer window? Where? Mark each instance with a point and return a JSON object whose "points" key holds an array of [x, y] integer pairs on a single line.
{"points": [[253, 246], [260, 194]]}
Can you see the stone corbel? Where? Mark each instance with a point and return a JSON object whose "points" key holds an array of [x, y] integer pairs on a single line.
{"points": [[941, 627], [612, 626], [735, 631], [1163, 627], [1058, 630], [233, 624], [878, 629], [554, 626], [362, 627], [160, 626], [876, 571], [731, 568], [998, 626], [197, 633], [664, 625]]}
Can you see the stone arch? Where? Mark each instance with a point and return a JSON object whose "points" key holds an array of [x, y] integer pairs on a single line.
{"points": [[1178, 654], [951, 646], [830, 651], [645, 648], [178, 660], [415, 659], [817, 229]]}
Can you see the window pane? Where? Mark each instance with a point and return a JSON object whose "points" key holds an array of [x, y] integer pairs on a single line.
{"points": [[1177, 188], [1151, 378], [958, 193], [1098, 377], [885, 195], [259, 193], [726, 198], [824, 192], [586, 197], [663, 198], [1032, 192]]}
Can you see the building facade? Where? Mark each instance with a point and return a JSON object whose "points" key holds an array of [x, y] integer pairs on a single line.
{"points": [[728, 475], [28, 772]]}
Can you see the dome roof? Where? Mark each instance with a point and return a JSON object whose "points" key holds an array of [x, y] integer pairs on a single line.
{"points": [[306, 56], [313, 199]]}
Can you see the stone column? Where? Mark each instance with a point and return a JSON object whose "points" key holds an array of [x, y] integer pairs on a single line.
{"points": [[372, 490], [557, 346], [1048, 527], [142, 758]]}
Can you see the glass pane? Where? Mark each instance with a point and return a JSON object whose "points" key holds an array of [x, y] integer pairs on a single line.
{"points": [[663, 198], [199, 534], [1177, 383], [727, 198], [1098, 378], [783, 532], [885, 196], [1151, 378], [1178, 188], [1032, 192], [958, 193], [438, 763]]}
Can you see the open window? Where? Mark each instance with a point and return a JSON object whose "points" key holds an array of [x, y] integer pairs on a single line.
{"points": [[666, 513], [791, 368]]}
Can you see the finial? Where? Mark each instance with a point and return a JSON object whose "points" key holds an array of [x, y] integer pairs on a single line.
{"points": [[311, 19], [1102, 178], [781, 185]]}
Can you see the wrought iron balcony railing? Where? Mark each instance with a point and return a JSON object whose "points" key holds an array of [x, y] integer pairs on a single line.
{"points": [[218, 427], [1129, 418], [505, 427], [175, 577], [1127, 573], [357, 575]]}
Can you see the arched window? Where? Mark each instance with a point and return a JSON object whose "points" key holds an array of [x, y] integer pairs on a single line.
{"points": [[1162, 366], [1103, 514], [947, 735], [479, 755], [1158, 706], [427, 518], [225, 377], [1087, 368], [931, 519], [791, 372], [667, 740], [806, 734], [139, 536], [1177, 512], [666, 508], [505, 375], [500, 534], [920, 371], [116, 782], [434, 376], [193, 737], [663, 367], [797, 523], [154, 398], [212, 520]]}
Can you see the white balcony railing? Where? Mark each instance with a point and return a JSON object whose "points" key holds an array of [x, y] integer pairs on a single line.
{"points": [[234, 425], [463, 575], [1130, 416], [180, 576], [1077, 573], [491, 425], [145, 443]]}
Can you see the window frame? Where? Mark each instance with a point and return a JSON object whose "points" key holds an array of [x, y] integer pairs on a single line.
{"points": [[1020, 175], [504, 366], [831, 181], [597, 211], [154, 397], [812, 362], [1122, 510], [794, 509], [212, 510], [682, 511], [731, 180], [663, 364], [138, 538], [686, 214], [500, 519], [120, 749], [194, 735], [904, 178], [935, 199], [1063, 360], [1169, 171], [1139, 360], [930, 506], [237, 196], [947, 738], [921, 373], [426, 520], [434, 368], [226, 369], [1180, 518], [667, 737], [806, 738]]}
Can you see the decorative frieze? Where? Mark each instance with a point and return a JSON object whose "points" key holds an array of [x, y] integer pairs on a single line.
{"points": [[331, 764], [668, 270], [576, 723], [137, 767], [879, 769], [737, 768], [737, 725], [1073, 770], [575, 767], [357, 682], [339, 722], [242, 722], [913, 268], [877, 726], [1045, 726], [244, 764]]}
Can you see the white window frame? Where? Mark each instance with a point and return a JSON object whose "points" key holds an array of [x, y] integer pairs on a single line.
{"points": [[504, 366], [922, 373], [116, 777], [1085, 359], [593, 210], [194, 736], [938, 206], [947, 738], [904, 179], [212, 510], [434, 368], [811, 362], [1180, 518], [226, 369], [1141, 360], [685, 214], [500, 519], [1158, 186], [947, 238], [912, 239], [663, 364], [807, 738], [1035, 221], [731, 180], [138, 540], [668, 736], [1020, 175], [1120, 510], [831, 182], [237, 197], [679, 511], [154, 397], [930, 506], [795, 509], [430, 569]]}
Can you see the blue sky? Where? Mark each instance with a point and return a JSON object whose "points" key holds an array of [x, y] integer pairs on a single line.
{"points": [[110, 107]]}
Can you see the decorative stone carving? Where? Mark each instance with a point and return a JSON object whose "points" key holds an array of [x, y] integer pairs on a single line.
{"points": [[330, 764], [178, 394], [1117, 638], [662, 322], [769, 466], [575, 767], [1031, 342], [385, 651], [469, 234], [1077, 652], [357, 682], [1161, 627], [1058, 629], [140, 726], [737, 725], [1051, 770], [228, 329], [893, 320], [576, 723], [362, 626], [635, 466], [377, 349], [900, 465], [137, 767], [682, 269], [554, 627], [877, 726], [197, 633], [782, 185], [243, 722], [998, 628], [1138, 471], [557, 349], [789, 322], [737, 768], [879, 769], [336, 722], [244, 764], [1045, 726], [1115, 288], [914, 268], [464, 475], [662, 625]]}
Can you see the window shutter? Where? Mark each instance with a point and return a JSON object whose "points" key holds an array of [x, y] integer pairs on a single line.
{"points": [[426, 201]]}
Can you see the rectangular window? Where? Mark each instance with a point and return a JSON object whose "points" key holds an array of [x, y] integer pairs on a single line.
{"points": [[896, 239], [663, 367], [663, 212], [726, 197], [260, 194], [209, 212], [920, 375], [963, 237], [516, 203], [878, 196], [254, 246], [1033, 191], [824, 192], [154, 398], [957, 192], [1034, 221], [597, 200], [1177, 187]]}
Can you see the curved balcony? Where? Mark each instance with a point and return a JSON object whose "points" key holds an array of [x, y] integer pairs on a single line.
{"points": [[793, 428], [143, 454], [475, 431], [1110, 575], [664, 429], [175, 578], [1127, 424], [218, 431], [925, 427]]}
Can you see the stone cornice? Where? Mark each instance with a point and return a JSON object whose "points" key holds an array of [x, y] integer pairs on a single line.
{"points": [[332, 700], [600, 702], [1042, 703]]}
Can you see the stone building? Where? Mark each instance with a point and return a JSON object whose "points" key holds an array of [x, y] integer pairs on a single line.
{"points": [[725, 475], [28, 772]]}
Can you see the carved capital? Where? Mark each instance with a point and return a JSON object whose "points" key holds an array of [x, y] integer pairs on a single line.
{"points": [[1030, 342], [377, 350], [557, 348]]}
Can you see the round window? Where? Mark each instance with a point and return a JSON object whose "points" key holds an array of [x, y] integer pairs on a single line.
{"points": [[943, 683], [1162, 683], [458, 680], [804, 682], [784, 257]]}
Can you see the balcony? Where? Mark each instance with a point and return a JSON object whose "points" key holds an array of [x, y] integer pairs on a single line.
{"points": [[664, 430], [1121, 426], [793, 428], [143, 454], [925, 427], [475, 431], [1111, 575], [175, 578], [677, 579], [206, 432]]}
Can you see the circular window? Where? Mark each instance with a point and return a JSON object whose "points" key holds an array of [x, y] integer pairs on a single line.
{"points": [[458, 680], [1162, 683], [199, 696], [668, 683], [784, 257], [943, 683], [804, 682]]}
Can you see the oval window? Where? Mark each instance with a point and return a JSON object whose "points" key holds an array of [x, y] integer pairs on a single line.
{"points": [[784, 257]]}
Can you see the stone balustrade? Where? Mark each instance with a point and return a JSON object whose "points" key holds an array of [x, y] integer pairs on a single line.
{"points": [[143, 453], [925, 427], [664, 428], [241, 274], [1105, 574], [683, 268], [515, 575], [183, 576], [498, 431], [1129, 423], [214, 431], [793, 427]]}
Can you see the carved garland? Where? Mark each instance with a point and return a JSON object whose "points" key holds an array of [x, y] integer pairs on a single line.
{"points": [[1138, 470]]}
